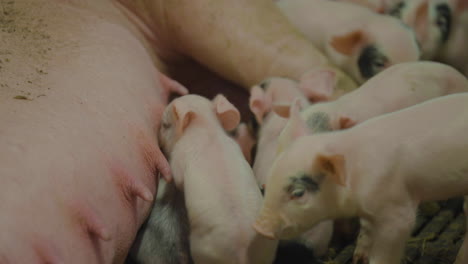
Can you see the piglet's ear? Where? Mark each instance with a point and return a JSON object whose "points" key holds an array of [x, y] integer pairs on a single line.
{"points": [[183, 116], [227, 113], [245, 140], [318, 85], [259, 103], [172, 85], [294, 128], [346, 122], [333, 166], [421, 18], [347, 43], [282, 109]]}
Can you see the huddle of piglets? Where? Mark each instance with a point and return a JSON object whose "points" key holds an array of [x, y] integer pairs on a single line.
{"points": [[441, 26], [359, 41], [221, 196], [397, 87], [262, 97], [282, 91], [379, 170], [313, 85]]}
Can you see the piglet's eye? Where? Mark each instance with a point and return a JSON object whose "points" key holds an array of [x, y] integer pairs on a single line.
{"points": [[298, 193]]}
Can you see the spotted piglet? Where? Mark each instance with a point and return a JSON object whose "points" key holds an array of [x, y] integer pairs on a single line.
{"points": [[359, 41], [379, 170], [395, 88], [221, 196]]}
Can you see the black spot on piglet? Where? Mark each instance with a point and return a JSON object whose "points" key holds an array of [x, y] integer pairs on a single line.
{"points": [[444, 21], [396, 9], [264, 84], [371, 61]]}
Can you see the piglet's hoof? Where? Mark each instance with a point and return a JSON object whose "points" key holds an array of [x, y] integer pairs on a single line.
{"points": [[360, 258]]}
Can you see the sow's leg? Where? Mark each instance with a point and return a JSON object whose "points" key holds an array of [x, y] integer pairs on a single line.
{"points": [[80, 101]]}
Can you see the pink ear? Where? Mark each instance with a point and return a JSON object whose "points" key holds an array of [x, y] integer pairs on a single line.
{"points": [[282, 109], [245, 141], [334, 167], [346, 122], [285, 109], [420, 20], [295, 114], [295, 127], [259, 103], [227, 113], [347, 43], [318, 85], [183, 115], [171, 85]]}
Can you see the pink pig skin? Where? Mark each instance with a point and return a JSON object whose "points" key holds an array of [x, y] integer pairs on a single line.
{"points": [[245, 140], [221, 196], [340, 174], [353, 28], [397, 87], [77, 164]]}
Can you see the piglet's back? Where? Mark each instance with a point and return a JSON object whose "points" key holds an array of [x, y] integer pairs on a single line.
{"points": [[428, 144]]}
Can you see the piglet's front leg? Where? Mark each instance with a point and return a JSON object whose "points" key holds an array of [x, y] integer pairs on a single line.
{"points": [[392, 229], [364, 242]]}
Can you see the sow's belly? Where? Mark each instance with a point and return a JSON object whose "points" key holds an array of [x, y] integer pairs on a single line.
{"points": [[79, 105]]}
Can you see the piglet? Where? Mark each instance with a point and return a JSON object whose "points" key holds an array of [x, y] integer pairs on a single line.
{"points": [[163, 238], [362, 43], [221, 196], [262, 97], [266, 126], [243, 136], [397, 87], [283, 91], [379, 170]]}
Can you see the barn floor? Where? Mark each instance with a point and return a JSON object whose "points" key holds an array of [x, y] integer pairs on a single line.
{"points": [[436, 239]]}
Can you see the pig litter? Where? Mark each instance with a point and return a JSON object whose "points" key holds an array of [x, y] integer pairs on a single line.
{"points": [[436, 238]]}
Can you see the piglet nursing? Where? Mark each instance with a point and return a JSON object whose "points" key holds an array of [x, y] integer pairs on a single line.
{"points": [[163, 238], [221, 196]]}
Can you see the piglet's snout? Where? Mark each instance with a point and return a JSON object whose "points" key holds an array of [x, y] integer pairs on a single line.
{"points": [[268, 225]]}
